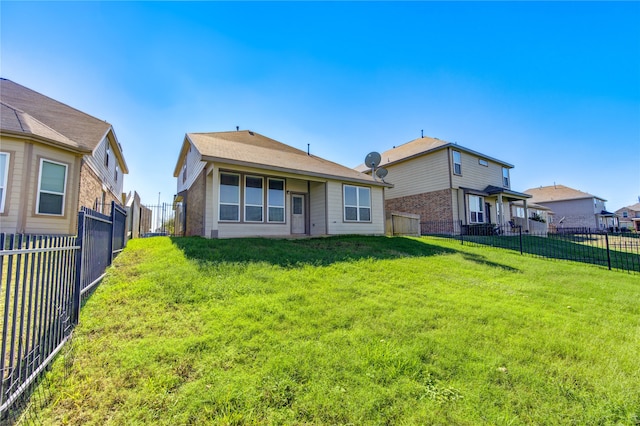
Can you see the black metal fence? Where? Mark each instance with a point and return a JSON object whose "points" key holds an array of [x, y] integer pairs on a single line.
{"points": [[163, 219], [42, 282], [613, 250]]}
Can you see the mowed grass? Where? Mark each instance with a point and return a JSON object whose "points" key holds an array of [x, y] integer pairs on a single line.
{"points": [[350, 330]]}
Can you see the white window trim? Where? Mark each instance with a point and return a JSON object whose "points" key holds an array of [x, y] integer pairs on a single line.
{"points": [[453, 160], [5, 180], [357, 206], [246, 204], [220, 203], [66, 170], [284, 201], [476, 211], [107, 154], [505, 179]]}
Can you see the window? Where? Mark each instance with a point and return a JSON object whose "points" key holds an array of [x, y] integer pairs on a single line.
{"points": [[505, 177], [107, 153], [52, 182], [357, 204], [625, 214], [275, 200], [115, 174], [184, 172], [253, 199], [520, 212], [4, 176], [483, 162], [476, 209], [457, 163], [230, 197]]}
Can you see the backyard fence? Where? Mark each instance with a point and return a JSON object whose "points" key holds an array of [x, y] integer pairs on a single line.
{"points": [[163, 219], [43, 281], [614, 250]]}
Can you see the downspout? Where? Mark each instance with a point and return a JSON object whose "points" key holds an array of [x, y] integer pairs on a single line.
{"points": [[307, 216], [451, 182]]}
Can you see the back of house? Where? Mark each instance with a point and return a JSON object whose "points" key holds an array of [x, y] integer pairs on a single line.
{"points": [[241, 183]]}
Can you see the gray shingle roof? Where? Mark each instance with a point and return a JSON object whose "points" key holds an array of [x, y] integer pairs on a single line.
{"points": [[19, 122], [557, 193], [85, 130], [253, 149], [27, 112], [422, 146]]}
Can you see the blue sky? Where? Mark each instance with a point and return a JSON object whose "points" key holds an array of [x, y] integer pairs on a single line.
{"points": [[551, 87]]}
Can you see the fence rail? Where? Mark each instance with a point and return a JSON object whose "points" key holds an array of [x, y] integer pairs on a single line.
{"points": [[620, 251], [43, 281]]}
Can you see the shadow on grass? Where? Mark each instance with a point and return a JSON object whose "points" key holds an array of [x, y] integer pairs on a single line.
{"points": [[308, 251], [481, 260]]}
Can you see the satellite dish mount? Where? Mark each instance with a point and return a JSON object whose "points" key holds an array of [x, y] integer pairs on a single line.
{"points": [[372, 160]]}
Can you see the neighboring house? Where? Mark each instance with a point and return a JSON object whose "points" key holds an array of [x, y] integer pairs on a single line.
{"points": [[540, 217], [54, 159], [236, 184], [446, 183], [573, 208], [629, 217]]}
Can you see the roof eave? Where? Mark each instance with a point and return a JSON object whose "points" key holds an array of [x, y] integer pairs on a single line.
{"points": [[295, 171], [438, 148], [21, 135], [117, 151], [181, 156]]}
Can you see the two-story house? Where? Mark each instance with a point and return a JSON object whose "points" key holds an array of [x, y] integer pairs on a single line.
{"points": [[629, 217], [241, 183], [54, 159], [448, 184], [573, 208]]}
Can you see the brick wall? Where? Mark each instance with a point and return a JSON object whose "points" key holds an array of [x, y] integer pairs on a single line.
{"points": [[195, 205], [91, 191], [431, 206]]}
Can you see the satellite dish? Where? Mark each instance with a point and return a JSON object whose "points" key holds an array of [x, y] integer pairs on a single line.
{"points": [[372, 159], [381, 172]]}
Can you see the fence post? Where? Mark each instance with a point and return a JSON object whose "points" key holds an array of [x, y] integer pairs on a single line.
{"points": [[520, 233], [606, 239], [113, 230], [461, 234], [77, 287]]}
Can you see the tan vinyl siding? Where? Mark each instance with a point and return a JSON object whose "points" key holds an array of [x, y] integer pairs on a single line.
{"points": [[194, 168], [236, 230], [336, 222], [296, 185], [14, 192], [45, 224], [318, 209], [416, 176], [475, 175], [106, 172]]}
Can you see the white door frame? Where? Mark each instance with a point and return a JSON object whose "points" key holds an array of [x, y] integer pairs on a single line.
{"points": [[295, 221]]}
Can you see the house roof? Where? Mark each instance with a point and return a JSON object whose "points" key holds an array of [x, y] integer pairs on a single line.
{"points": [[419, 147], [557, 193], [14, 120], [34, 114], [252, 149], [634, 207]]}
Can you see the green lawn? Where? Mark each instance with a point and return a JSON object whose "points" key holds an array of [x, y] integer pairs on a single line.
{"points": [[351, 330]]}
